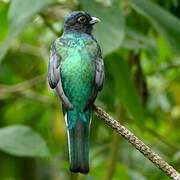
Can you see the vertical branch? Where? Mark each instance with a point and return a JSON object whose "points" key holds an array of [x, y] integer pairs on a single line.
{"points": [[74, 176], [138, 76], [113, 157]]}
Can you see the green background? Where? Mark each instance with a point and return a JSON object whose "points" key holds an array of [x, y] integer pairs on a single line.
{"points": [[140, 41]]}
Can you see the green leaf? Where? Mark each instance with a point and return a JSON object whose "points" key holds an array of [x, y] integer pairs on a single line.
{"points": [[121, 172], [21, 140], [20, 13], [3, 20], [135, 175], [124, 88], [110, 31], [164, 22], [136, 41]]}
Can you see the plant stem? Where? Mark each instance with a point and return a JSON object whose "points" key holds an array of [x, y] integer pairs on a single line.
{"points": [[49, 25], [138, 144], [113, 157], [74, 176]]}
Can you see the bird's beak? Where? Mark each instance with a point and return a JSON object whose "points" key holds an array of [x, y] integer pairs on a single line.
{"points": [[94, 20]]}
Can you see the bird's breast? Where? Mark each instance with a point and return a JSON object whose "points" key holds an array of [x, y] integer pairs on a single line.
{"points": [[77, 72], [77, 64]]}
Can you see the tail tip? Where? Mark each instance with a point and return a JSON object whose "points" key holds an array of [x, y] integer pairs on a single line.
{"points": [[83, 170]]}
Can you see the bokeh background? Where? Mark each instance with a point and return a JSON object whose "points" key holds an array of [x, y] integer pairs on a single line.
{"points": [[140, 41]]}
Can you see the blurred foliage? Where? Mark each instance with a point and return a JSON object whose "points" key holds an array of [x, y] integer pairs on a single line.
{"points": [[140, 42]]}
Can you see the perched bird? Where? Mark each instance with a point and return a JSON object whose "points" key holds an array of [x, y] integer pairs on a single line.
{"points": [[76, 71]]}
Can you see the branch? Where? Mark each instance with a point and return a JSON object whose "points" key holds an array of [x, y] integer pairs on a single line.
{"points": [[38, 97], [138, 144], [112, 158], [49, 25], [4, 89], [162, 139], [163, 69]]}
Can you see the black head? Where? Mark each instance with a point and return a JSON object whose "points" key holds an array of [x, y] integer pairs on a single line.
{"points": [[80, 21]]}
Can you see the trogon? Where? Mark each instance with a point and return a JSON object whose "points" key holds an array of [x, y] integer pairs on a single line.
{"points": [[76, 71]]}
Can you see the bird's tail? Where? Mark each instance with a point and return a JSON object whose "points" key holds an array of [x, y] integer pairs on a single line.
{"points": [[78, 125]]}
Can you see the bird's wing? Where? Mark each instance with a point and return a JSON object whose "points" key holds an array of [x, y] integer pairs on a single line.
{"points": [[54, 76], [99, 78]]}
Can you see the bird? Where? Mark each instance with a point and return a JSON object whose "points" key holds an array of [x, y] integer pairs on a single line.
{"points": [[76, 72]]}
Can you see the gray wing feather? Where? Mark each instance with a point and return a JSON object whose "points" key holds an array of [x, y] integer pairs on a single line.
{"points": [[54, 77], [99, 78]]}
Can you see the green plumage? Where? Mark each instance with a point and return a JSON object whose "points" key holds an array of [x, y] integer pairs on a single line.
{"points": [[76, 71], [77, 52]]}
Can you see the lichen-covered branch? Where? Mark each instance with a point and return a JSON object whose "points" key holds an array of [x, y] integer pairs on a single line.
{"points": [[138, 144]]}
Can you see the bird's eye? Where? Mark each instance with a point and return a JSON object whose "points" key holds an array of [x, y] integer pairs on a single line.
{"points": [[82, 19]]}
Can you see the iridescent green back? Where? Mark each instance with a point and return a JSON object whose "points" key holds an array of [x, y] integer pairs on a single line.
{"points": [[78, 53]]}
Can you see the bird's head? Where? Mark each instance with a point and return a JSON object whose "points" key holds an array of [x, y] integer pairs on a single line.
{"points": [[80, 21]]}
